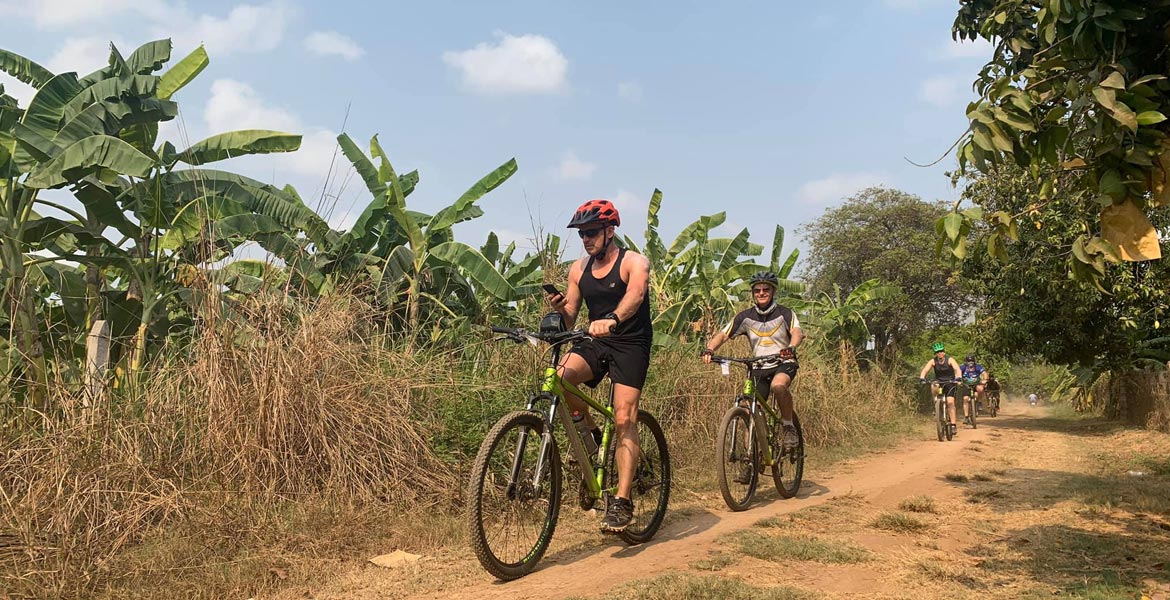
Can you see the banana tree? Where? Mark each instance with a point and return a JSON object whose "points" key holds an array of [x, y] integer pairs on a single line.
{"points": [[95, 135], [841, 320], [698, 281], [421, 261]]}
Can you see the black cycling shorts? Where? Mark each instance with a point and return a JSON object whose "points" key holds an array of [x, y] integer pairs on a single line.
{"points": [[949, 389], [625, 362], [764, 377]]}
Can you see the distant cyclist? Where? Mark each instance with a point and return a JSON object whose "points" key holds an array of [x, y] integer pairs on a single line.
{"points": [[974, 378], [946, 371], [993, 390], [772, 330], [1032, 399]]}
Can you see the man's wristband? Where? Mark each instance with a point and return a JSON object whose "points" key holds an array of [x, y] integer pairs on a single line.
{"points": [[707, 352], [613, 316]]}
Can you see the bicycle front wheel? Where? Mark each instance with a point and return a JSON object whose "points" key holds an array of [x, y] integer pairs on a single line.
{"points": [[736, 456], [973, 415], [650, 491], [511, 509], [940, 418], [788, 463]]}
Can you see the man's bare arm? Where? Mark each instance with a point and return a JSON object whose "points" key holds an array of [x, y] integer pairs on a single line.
{"points": [[636, 285]]}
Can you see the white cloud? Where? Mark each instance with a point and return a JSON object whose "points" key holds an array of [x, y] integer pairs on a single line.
{"points": [[331, 43], [946, 90], [82, 55], [968, 49], [630, 90], [55, 14], [572, 167], [526, 64], [247, 28], [236, 105], [836, 187]]}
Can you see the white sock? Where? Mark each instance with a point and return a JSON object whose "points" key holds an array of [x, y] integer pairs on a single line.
{"points": [[787, 422]]}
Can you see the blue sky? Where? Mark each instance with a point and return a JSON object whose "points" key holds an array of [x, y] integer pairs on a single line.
{"points": [[769, 111]]}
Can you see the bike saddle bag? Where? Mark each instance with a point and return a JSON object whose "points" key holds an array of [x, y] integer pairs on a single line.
{"points": [[552, 323]]}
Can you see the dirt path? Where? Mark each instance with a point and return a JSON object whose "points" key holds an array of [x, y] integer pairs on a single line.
{"points": [[919, 521]]}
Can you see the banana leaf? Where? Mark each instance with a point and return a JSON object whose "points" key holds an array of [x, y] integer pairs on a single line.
{"points": [[463, 209], [485, 276], [149, 57], [92, 153], [182, 73], [239, 143], [23, 69]]}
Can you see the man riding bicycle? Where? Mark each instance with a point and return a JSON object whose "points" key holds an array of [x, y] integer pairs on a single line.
{"points": [[772, 330], [974, 379], [613, 283], [946, 370]]}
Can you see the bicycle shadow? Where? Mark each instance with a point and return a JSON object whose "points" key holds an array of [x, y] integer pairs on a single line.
{"points": [[697, 523]]}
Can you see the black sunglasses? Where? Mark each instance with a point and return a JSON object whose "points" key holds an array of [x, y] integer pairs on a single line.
{"points": [[588, 233], [762, 291]]}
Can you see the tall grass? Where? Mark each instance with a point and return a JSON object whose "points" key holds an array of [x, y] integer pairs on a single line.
{"points": [[287, 410]]}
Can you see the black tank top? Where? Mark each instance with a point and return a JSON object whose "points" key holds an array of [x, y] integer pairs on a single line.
{"points": [[943, 369], [603, 295]]}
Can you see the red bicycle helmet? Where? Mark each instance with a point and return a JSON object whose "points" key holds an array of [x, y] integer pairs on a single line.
{"points": [[595, 212]]}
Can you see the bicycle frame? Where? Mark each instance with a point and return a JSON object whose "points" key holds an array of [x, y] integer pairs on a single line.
{"points": [[554, 388], [750, 391]]}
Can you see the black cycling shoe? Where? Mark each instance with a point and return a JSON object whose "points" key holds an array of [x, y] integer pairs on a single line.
{"points": [[618, 515]]}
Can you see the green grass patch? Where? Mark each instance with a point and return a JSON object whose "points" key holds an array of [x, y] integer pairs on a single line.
{"points": [[716, 562], [796, 547], [680, 586], [899, 522], [918, 504], [956, 478]]}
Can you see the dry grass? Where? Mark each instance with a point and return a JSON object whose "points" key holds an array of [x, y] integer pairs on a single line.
{"points": [[899, 522], [956, 478], [781, 548], [919, 504], [677, 586], [289, 436]]}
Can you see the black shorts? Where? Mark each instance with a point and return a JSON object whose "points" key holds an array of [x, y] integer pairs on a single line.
{"points": [[625, 362], [763, 377], [949, 389]]}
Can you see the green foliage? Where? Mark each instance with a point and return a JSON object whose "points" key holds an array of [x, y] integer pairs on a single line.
{"points": [[885, 234], [1032, 304], [1076, 96]]}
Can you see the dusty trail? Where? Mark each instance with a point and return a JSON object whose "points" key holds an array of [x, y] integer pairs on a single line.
{"points": [[1030, 505], [585, 569], [915, 468]]}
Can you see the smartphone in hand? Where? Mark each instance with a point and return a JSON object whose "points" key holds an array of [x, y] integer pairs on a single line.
{"points": [[551, 289]]}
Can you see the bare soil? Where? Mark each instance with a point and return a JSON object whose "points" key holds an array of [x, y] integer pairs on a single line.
{"points": [[1052, 506]]}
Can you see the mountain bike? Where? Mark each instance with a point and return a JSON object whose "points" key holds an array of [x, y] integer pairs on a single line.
{"points": [[942, 424], [992, 401], [749, 440], [970, 403], [514, 496]]}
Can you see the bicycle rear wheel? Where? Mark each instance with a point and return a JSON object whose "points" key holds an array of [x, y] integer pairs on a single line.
{"points": [[972, 408], [510, 520], [737, 454], [650, 491], [788, 463]]}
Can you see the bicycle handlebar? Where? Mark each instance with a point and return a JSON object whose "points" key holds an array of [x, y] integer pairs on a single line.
{"points": [[522, 335], [749, 362]]}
